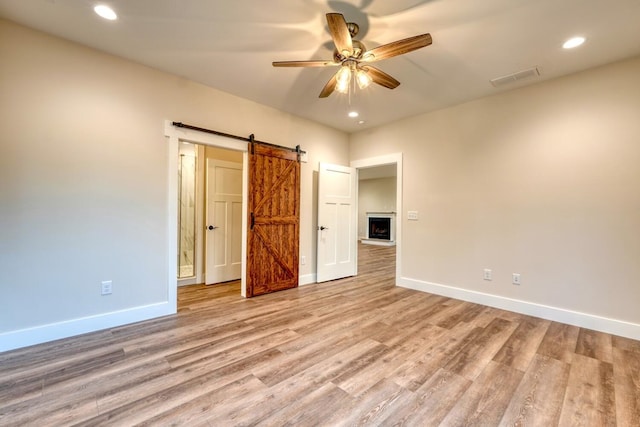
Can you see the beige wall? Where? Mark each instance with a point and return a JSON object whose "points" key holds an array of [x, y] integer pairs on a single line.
{"points": [[543, 181], [374, 195], [84, 175]]}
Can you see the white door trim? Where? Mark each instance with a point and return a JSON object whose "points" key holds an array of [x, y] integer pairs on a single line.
{"points": [[175, 135], [389, 159]]}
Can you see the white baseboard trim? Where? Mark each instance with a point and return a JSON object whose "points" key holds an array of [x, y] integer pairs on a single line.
{"points": [[307, 279], [188, 281], [54, 331], [583, 320]]}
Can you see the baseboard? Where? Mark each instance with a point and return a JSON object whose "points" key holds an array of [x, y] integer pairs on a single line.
{"points": [[307, 279], [54, 331], [583, 320], [188, 281]]}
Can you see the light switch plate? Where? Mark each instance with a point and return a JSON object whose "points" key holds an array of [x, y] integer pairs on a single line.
{"points": [[516, 279], [412, 215], [106, 287]]}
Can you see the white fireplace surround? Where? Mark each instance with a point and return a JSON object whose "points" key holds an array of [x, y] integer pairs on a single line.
{"points": [[382, 242]]}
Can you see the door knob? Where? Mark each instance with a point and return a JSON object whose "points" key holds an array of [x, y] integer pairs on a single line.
{"points": [[212, 227], [322, 227]]}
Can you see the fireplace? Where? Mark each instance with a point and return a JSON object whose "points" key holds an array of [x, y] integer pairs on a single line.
{"points": [[381, 228]]}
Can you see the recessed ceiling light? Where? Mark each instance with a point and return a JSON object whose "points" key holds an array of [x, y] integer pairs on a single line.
{"points": [[106, 12], [361, 122], [573, 42], [353, 114]]}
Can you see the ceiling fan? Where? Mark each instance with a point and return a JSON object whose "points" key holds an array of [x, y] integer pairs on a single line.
{"points": [[353, 57]]}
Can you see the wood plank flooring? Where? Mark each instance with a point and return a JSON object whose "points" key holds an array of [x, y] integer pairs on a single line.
{"points": [[357, 351]]}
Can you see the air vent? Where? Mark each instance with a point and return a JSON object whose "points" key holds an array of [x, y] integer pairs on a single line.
{"points": [[512, 78]]}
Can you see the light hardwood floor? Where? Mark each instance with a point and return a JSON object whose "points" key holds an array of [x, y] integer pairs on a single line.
{"points": [[357, 351]]}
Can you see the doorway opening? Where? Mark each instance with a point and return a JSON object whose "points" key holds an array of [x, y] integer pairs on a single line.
{"points": [[194, 249], [209, 214], [379, 207]]}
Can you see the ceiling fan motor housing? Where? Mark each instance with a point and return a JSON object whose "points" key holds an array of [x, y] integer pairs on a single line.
{"points": [[358, 49]]}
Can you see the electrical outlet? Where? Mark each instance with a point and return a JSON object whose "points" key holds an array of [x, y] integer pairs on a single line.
{"points": [[516, 278], [107, 287], [487, 274], [303, 260]]}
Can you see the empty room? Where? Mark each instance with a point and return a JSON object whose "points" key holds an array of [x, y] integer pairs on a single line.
{"points": [[336, 213]]}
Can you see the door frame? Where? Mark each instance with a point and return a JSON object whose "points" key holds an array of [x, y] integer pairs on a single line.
{"points": [[387, 159], [175, 135]]}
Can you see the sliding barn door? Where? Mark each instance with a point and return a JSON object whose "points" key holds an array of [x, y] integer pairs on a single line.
{"points": [[274, 219]]}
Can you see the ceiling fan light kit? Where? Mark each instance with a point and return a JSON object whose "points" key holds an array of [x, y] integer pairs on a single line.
{"points": [[363, 78], [353, 58], [343, 78]]}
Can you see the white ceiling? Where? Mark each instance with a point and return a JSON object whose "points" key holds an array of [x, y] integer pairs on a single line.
{"points": [[230, 44]]}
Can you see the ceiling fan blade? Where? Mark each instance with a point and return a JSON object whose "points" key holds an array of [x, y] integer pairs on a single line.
{"points": [[381, 78], [319, 63], [340, 33], [396, 48], [329, 87]]}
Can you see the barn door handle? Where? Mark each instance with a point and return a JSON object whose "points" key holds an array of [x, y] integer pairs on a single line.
{"points": [[322, 227], [253, 220], [212, 227]]}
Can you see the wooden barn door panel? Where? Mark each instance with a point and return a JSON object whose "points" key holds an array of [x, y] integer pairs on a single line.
{"points": [[274, 219]]}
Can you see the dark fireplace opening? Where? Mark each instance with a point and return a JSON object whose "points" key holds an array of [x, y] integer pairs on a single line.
{"points": [[380, 228]]}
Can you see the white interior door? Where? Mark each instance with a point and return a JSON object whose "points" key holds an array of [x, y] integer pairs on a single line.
{"points": [[224, 221], [337, 234]]}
